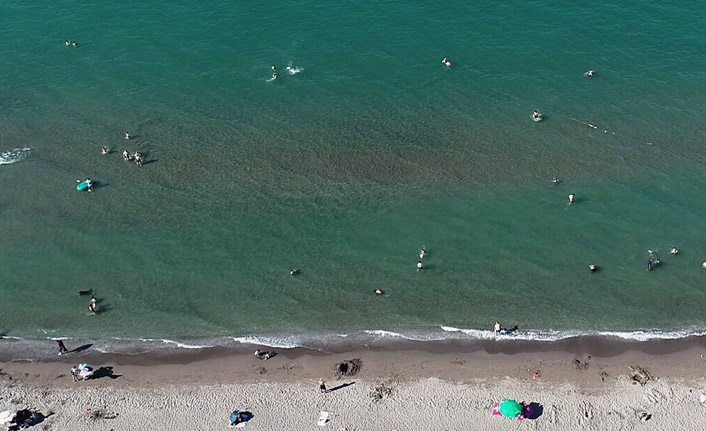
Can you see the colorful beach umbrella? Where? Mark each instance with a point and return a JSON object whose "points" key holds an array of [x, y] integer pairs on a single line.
{"points": [[510, 408]]}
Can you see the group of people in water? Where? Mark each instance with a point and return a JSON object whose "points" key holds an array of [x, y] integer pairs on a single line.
{"points": [[288, 68], [127, 156], [73, 43]]}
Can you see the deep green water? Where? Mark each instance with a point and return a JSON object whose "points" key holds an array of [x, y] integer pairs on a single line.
{"points": [[346, 169]]}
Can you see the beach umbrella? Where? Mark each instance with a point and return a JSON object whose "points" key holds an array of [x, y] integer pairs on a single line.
{"points": [[510, 408]]}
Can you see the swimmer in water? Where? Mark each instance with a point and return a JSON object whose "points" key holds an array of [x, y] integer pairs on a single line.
{"points": [[536, 115], [294, 272], [555, 180], [74, 44], [593, 268], [674, 250], [422, 253], [446, 62], [379, 292], [127, 136], [127, 155], [105, 150], [67, 43], [420, 266], [274, 71], [497, 328], [590, 73], [572, 196]]}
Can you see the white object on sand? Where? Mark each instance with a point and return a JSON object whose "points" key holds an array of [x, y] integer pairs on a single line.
{"points": [[703, 399], [323, 418], [7, 416]]}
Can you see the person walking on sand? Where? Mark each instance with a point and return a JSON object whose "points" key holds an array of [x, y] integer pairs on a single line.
{"points": [[62, 347], [74, 373], [322, 386]]}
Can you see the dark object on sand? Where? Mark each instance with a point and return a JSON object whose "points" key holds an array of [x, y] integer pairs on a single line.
{"points": [[639, 375], [381, 391], [348, 367], [85, 292], [264, 355]]}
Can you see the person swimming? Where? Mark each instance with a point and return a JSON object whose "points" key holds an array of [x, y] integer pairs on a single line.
{"points": [[497, 328], [446, 62], [555, 180], [294, 272], [127, 136], [572, 197], [74, 44], [536, 115], [590, 73], [420, 266], [93, 306], [138, 158], [104, 150], [126, 155], [379, 292], [68, 43], [674, 250], [274, 71], [422, 253], [593, 267]]}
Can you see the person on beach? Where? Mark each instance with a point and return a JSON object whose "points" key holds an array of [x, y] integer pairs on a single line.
{"points": [[93, 306], [572, 196], [446, 62], [263, 355], [62, 347], [322, 386], [104, 150], [74, 373], [497, 328], [422, 253], [593, 267], [420, 266]]}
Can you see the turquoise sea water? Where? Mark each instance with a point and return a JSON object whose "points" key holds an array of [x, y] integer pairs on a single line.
{"points": [[346, 169]]}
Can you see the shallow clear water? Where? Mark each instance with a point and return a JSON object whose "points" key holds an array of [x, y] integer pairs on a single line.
{"points": [[347, 168]]}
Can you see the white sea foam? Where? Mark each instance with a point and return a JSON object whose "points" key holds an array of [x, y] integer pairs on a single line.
{"points": [[284, 342], [184, 345], [13, 156], [551, 335]]}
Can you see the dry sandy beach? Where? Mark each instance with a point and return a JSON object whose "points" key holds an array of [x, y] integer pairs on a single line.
{"points": [[582, 384]]}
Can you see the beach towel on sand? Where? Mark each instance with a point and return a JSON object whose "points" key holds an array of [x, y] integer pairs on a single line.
{"points": [[323, 418]]}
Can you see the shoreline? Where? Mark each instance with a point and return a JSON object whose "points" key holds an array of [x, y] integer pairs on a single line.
{"points": [[164, 350]]}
